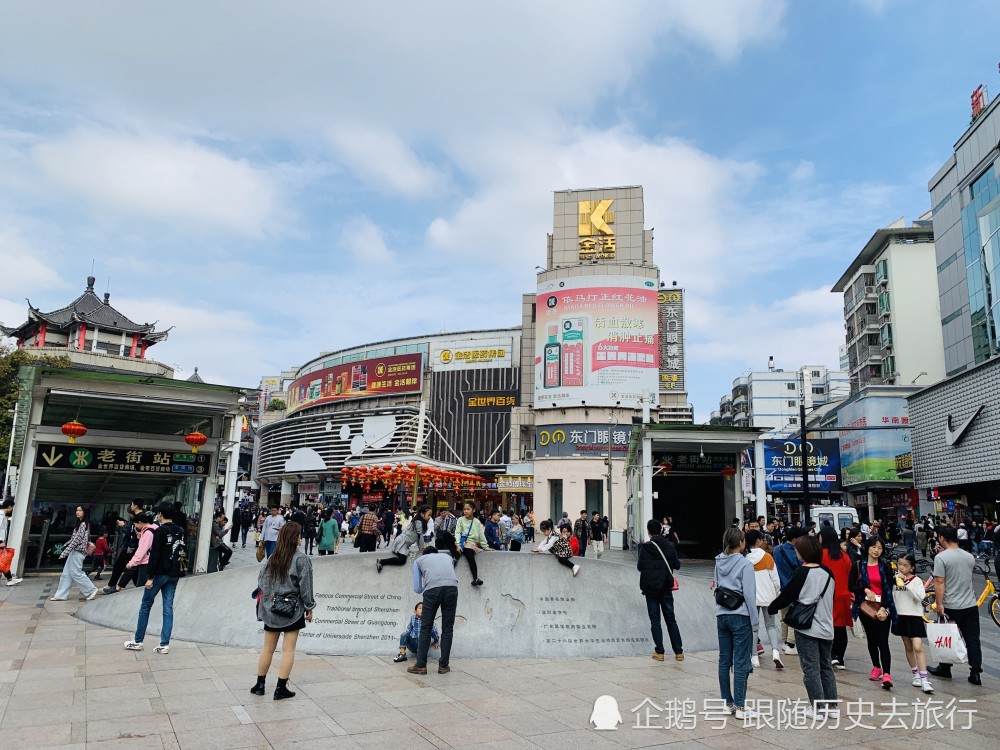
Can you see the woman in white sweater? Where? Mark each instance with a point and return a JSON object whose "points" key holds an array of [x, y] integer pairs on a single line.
{"points": [[768, 586], [908, 594]]}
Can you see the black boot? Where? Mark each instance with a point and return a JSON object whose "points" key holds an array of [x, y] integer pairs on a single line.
{"points": [[258, 689], [281, 691], [942, 670]]}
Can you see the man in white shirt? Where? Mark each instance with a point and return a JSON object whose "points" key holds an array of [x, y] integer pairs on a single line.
{"points": [[269, 533]]}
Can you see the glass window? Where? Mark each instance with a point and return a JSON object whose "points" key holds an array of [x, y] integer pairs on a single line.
{"points": [[844, 520], [790, 386]]}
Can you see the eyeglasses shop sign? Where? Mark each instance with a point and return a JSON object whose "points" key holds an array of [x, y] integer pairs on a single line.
{"points": [[581, 440]]}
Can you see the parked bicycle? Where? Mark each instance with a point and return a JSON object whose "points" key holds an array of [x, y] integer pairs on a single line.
{"points": [[989, 593]]}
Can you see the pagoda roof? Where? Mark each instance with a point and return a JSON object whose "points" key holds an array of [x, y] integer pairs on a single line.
{"points": [[89, 309]]}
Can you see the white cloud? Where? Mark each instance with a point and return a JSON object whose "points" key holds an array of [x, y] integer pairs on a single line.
{"points": [[363, 239], [804, 172], [151, 177], [20, 267], [381, 159]]}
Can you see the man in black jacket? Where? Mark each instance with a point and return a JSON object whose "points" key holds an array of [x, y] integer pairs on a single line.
{"points": [[126, 542], [657, 562], [167, 561]]}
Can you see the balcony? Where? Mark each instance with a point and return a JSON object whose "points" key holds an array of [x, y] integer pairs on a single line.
{"points": [[738, 402], [885, 336], [882, 273], [740, 417], [884, 308]]}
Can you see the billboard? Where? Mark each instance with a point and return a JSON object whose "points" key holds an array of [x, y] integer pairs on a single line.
{"points": [[582, 440], [596, 341], [783, 465], [670, 312], [468, 354], [873, 455], [366, 378]]}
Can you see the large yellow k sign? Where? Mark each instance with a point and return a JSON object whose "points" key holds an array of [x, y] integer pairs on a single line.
{"points": [[595, 218]]}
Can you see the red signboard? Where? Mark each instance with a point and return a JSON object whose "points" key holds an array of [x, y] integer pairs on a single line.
{"points": [[365, 378]]}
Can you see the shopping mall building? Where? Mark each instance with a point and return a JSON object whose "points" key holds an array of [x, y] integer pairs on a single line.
{"points": [[547, 415]]}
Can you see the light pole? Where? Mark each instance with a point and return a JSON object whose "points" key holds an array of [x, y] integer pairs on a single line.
{"points": [[611, 430]]}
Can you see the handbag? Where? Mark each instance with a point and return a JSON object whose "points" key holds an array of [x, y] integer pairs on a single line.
{"points": [[676, 585], [6, 557], [870, 609], [728, 599], [946, 643], [284, 606], [90, 549], [260, 551], [800, 615]]}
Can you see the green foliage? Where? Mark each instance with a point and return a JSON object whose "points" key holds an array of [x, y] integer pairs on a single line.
{"points": [[11, 360], [276, 405]]}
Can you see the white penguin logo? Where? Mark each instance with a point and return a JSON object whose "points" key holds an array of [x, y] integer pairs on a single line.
{"points": [[606, 715]]}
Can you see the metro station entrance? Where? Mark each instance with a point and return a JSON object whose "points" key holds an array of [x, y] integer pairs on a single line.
{"points": [[696, 503]]}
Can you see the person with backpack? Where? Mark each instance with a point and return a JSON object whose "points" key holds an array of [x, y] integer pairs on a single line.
{"points": [[785, 562], [656, 563], [167, 565]]}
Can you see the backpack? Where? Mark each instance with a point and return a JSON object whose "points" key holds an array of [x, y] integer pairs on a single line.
{"points": [[176, 565], [445, 525]]}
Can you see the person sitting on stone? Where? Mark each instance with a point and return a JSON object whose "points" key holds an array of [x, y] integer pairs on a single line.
{"points": [[557, 545], [410, 638], [572, 540]]}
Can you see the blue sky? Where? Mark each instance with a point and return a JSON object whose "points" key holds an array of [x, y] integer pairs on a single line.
{"points": [[296, 179]]}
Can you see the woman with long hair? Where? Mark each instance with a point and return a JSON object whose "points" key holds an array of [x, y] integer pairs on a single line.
{"points": [[470, 539], [855, 551], [74, 553], [285, 603], [871, 582], [837, 562], [516, 534], [736, 619]]}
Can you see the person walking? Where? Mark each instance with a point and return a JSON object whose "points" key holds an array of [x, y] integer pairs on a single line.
{"points": [[167, 565], [656, 562], [223, 550], [956, 600], [768, 585], [412, 534], [492, 530], [7, 553], [471, 540], [434, 577], [839, 564], [871, 581], [126, 541], [246, 517], [908, 594], [736, 619], [329, 535], [529, 526], [74, 553], [285, 603], [269, 531], [813, 585], [785, 562], [309, 531], [102, 550], [367, 531], [581, 530], [597, 534]]}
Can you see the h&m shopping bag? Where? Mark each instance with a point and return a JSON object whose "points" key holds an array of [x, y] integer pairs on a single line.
{"points": [[947, 645]]}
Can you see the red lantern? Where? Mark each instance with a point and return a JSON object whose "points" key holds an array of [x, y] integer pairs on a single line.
{"points": [[195, 439], [73, 430], [728, 472]]}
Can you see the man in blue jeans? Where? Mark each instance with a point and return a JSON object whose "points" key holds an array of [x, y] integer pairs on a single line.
{"points": [[656, 563], [434, 577], [167, 563]]}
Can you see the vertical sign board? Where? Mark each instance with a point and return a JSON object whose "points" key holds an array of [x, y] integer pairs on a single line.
{"points": [[670, 312]]}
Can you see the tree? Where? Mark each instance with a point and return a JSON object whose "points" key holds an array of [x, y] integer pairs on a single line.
{"points": [[11, 360], [276, 405]]}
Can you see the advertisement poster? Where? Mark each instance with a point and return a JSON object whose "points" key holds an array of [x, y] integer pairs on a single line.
{"points": [[582, 440], [597, 341], [783, 465], [365, 378], [671, 327], [872, 455]]}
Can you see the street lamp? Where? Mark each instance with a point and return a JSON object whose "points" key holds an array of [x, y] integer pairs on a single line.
{"points": [[919, 375], [611, 429]]}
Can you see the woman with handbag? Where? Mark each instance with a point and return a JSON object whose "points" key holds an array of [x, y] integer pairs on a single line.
{"points": [[809, 597], [735, 619], [74, 553], [285, 603], [471, 540], [871, 581]]}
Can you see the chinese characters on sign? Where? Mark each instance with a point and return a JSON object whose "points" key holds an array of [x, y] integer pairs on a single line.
{"points": [[121, 460], [783, 465], [670, 312], [512, 483], [597, 236], [471, 353], [490, 400], [693, 462], [401, 373], [581, 440]]}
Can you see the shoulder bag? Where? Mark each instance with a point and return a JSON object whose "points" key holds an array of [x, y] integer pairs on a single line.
{"points": [[800, 616], [284, 606], [676, 585], [728, 599]]}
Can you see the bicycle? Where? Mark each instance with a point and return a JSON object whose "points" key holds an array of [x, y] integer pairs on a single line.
{"points": [[989, 593]]}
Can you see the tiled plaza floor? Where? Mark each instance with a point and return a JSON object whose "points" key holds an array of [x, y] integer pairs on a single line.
{"points": [[64, 683]]}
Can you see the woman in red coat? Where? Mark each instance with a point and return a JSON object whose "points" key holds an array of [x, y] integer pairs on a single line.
{"points": [[839, 564]]}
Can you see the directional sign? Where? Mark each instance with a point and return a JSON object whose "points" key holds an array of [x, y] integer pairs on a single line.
{"points": [[121, 460]]}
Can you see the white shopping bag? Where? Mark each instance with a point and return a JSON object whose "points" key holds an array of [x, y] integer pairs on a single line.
{"points": [[947, 645], [857, 629]]}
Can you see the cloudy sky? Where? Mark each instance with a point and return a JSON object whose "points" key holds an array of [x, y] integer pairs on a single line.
{"points": [[277, 179]]}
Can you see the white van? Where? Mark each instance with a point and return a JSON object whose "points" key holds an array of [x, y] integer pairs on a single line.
{"points": [[838, 516]]}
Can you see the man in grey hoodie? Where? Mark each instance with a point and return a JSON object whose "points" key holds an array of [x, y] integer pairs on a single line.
{"points": [[734, 573]]}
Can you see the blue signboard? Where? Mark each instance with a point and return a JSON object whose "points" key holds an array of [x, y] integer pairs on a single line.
{"points": [[783, 465]]}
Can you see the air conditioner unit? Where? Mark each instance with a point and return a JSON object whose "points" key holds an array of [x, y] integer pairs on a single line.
{"points": [[869, 290], [528, 454]]}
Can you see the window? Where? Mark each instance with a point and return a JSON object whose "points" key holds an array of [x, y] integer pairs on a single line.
{"points": [[791, 403], [815, 373], [790, 386], [819, 390], [793, 420]]}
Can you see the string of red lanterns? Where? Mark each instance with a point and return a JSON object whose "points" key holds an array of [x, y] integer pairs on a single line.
{"points": [[393, 475]]}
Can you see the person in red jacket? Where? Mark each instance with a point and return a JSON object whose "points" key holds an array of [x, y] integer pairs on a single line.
{"points": [[838, 562], [102, 550], [574, 543]]}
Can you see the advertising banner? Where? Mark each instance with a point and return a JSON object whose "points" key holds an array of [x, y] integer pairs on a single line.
{"points": [[874, 455], [783, 465], [596, 341], [470, 354], [512, 483], [402, 373], [670, 311], [581, 440]]}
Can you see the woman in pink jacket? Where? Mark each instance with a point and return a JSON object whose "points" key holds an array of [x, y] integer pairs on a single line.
{"points": [[137, 565]]}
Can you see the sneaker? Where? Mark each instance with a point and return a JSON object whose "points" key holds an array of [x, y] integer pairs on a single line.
{"points": [[161, 650], [398, 658], [926, 686], [887, 681], [54, 599], [776, 657], [760, 647], [133, 646], [679, 657], [790, 650], [14, 581], [975, 679], [576, 569], [755, 661], [875, 675], [745, 714], [838, 664], [92, 596], [916, 681], [477, 582], [657, 657], [731, 708]]}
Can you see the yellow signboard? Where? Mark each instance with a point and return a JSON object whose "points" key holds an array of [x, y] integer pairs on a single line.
{"points": [[513, 483], [597, 236]]}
